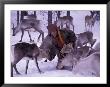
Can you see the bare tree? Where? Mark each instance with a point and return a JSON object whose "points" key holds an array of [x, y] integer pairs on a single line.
{"points": [[58, 14], [17, 17], [49, 18], [35, 14], [23, 13], [68, 13]]}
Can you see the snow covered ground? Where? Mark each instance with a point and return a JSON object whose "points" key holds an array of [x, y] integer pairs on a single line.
{"points": [[49, 67]]}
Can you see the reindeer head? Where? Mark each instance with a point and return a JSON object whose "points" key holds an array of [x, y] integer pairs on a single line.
{"points": [[44, 53], [67, 48]]}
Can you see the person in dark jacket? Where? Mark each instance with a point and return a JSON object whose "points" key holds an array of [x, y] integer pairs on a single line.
{"points": [[60, 37]]}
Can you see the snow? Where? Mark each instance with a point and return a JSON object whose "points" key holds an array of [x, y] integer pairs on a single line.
{"points": [[49, 68]]}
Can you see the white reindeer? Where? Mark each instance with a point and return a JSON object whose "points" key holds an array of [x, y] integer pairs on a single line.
{"points": [[88, 64]]}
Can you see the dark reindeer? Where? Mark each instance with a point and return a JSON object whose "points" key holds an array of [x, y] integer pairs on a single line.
{"points": [[22, 50], [29, 24], [68, 20]]}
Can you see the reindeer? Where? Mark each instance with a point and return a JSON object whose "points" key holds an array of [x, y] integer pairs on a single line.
{"points": [[80, 52], [68, 20], [84, 38], [90, 63], [21, 50], [50, 48], [68, 53], [29, 24], [90, 21]]}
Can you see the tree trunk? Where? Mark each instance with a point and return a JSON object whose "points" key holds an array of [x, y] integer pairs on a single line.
{"points": [[49, 17], [68, 13], [17, 17], [58, 14], [35, 14], [23, 13]]}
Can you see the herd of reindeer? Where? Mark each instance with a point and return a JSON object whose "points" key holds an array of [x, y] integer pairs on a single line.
{"points": [[85, 53]]}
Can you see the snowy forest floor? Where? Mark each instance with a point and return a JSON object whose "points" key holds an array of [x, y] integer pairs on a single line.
{"points": [[49, 67]]}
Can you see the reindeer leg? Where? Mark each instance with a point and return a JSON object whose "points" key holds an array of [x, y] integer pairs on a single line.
{"points": [[11, 70], [17, 58], [30, 37], [68, 26], [73, 26], [39, 37], [41, 32], [92, 42], [22, 35], [16, 69], [37, 65], [27, 62], [59, 66], [61, 25], [85, 26], [91, 28]]}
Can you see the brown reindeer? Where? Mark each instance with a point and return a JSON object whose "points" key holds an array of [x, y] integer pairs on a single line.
{"points": [[68, 20], [28, 24]]}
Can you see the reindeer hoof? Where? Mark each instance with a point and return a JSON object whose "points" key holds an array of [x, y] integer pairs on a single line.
{"points": [[45, 61], [11, 75], [41, 72], [20, 41], [18, 73], [31, 40]]}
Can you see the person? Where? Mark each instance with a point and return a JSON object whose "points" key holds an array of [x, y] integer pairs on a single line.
{"points": [[59, 38]]}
